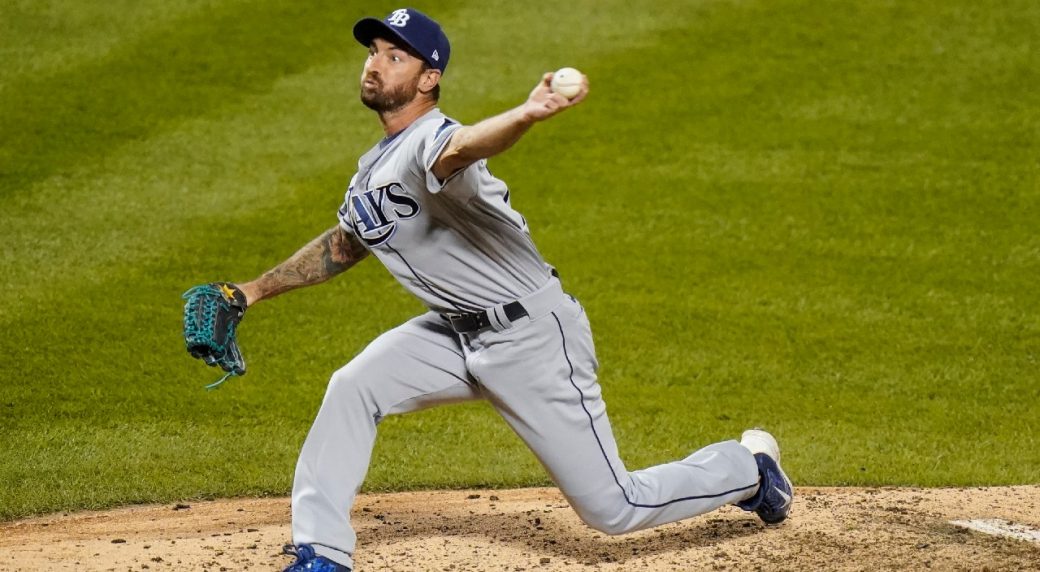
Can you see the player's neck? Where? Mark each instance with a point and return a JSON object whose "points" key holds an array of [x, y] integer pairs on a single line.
{"points": [[397, 121]]}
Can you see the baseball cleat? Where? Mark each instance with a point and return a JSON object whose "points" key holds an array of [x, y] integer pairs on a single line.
{"points": [[308, 561], [772, 502]]}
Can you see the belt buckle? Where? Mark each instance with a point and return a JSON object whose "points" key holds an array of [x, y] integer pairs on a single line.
{"points": [[468, 323], [454, 320]]}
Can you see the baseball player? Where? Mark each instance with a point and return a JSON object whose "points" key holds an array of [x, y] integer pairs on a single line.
{"points": [[499, 327]]}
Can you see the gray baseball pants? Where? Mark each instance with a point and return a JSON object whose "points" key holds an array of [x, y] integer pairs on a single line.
{"points": [[539, 373]]}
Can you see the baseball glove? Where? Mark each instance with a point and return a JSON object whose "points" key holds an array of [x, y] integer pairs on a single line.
{"points": [[211, 316]]}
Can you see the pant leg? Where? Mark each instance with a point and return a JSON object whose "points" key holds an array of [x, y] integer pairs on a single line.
{"points": [[541, 377], [416, 365]]}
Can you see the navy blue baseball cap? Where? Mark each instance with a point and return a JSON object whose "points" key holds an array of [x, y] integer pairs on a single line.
{"points": [[417, 30]]}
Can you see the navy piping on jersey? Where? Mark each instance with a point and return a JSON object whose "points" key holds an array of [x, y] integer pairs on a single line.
{"points": [[445, 125], [440, 149], [386, 140], [427, 285], [592, 425]]}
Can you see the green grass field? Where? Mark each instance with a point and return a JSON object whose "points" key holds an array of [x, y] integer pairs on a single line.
{"points": [[819, 217]]}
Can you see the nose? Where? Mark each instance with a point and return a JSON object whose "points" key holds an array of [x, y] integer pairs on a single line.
{"points": [[369, 72], [372, 67]]}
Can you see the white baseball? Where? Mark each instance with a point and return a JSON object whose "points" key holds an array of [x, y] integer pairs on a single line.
{"points": [[566, 82]]}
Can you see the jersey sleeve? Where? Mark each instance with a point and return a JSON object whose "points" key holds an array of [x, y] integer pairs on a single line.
{"points": [[435, 142]]}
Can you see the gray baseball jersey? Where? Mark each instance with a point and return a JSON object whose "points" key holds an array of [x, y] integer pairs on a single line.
{"points": [[457, 244], [460, 247]]}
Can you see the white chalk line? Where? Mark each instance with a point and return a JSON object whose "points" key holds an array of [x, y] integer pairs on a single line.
{"points": [[998, 527]]}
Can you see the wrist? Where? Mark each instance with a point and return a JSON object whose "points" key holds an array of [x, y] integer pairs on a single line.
{"points": [[251, 291], [527, 115]]}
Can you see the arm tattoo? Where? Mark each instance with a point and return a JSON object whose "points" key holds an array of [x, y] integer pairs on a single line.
{"points": [[339, 251], [322, 258]]}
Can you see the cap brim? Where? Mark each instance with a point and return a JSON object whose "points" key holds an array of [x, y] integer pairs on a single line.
{"points": [[368, 29]]}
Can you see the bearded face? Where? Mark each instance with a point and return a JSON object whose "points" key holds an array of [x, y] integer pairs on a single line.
{"points": [[383, 98]]}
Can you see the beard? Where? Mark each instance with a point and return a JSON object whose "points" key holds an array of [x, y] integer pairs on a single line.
{"points": [[383, 100]]}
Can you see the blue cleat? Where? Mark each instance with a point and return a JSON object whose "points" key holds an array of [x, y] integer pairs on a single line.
{"points": [[308, 561], [772, 502]]}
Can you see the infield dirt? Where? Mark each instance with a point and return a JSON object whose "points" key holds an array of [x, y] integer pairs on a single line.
{"points": [[534, 529]]}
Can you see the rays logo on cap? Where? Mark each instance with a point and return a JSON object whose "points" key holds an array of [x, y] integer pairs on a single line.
{"points": [[398, 18]]}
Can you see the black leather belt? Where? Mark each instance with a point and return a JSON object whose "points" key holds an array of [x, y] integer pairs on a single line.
{"points": [[476, 321]]}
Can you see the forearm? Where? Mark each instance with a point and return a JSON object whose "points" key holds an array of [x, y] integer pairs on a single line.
{"points": [[489, 137], [324, 257], [496, 134]]}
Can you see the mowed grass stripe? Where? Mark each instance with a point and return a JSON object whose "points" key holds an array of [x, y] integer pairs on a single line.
{"points": [[44, 37], [196, 64]]}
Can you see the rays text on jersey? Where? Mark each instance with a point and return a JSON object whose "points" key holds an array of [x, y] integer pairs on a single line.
{"points": [[375, 213]]}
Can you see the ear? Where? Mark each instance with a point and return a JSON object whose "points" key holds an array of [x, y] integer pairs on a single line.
{"points": [[429, 80]]}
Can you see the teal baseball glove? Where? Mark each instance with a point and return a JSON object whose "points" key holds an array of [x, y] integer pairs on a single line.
{"points": [[212, 313]]}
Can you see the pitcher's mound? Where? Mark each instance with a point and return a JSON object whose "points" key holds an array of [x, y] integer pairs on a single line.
{"points": [[534, 529]]}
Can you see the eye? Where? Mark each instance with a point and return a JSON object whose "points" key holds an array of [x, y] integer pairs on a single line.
{"points": [[395, 59]]}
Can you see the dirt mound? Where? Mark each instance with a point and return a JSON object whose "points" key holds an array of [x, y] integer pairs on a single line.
{"points": [[534, 529]]}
